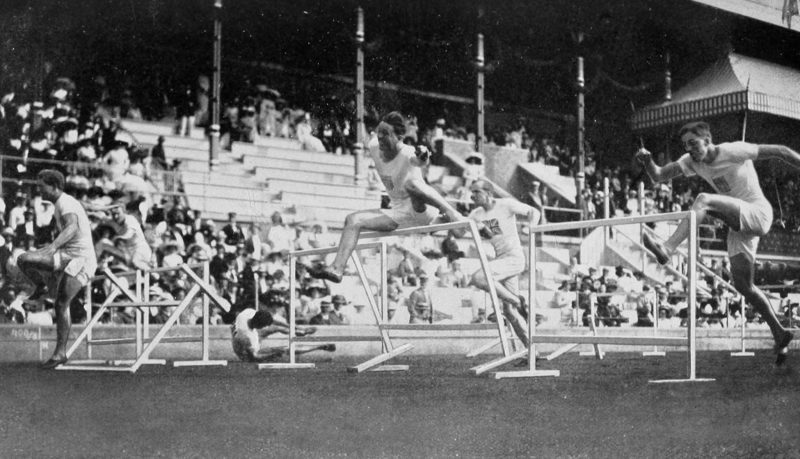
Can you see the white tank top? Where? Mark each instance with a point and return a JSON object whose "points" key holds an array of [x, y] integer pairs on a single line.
{"points": [[396, 172]]}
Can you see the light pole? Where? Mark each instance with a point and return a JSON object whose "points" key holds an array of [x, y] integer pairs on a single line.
{"points": [[213, 153], [358, 148], [580, 175], [479, 106]]}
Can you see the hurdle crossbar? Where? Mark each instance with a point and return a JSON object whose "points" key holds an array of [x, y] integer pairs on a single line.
{"points": [[689, 341], [143, 344], [380, 311]]}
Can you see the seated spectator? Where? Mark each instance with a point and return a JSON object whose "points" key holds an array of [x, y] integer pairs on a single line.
{"points": [[231, 234], [326, 316], [279, 236], [645, 305], [339, 302], [419, 303]]}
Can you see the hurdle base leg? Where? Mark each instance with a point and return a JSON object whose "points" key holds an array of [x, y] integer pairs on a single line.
{"points": [[667, 381], [480, 369], [742, 354], [199, 363], [526, 374], [654, 354], [375, 361], [480, 350], [390, 368], [285, 366]]}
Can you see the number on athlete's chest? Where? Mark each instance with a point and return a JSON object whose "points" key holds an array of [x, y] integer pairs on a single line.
{"points": [[387, 182]]}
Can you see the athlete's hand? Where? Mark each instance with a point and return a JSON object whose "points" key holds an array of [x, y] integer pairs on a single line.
{"points": [[644, 156], [422, 152]]}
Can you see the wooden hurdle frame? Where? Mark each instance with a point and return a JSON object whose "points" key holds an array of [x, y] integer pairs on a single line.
{"points": [[689, 341], [389, 351], [142, 304]]}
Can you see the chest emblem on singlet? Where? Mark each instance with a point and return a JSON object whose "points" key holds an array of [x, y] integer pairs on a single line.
{"points": [[721, 184], [493, 226], [387, 182]]}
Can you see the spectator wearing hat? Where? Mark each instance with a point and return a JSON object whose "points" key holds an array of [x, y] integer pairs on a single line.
{"points": [[232, 234], [339, 302], [326, 316], [420, 306]]}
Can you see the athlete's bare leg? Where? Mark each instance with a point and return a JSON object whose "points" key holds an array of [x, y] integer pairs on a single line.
{"points": [[370, 220]]}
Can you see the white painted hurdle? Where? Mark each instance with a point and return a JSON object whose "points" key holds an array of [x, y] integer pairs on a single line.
{"points": [[689, 341], [139, 299], [389, 351]]}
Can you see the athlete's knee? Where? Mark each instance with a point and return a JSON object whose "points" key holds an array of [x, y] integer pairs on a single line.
{"points": [[478, 280], [352, 220], [702, 202]]}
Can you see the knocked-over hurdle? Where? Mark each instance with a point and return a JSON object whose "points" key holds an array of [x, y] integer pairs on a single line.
{"points": [[689, 341], [380, 314], [140, 301]]}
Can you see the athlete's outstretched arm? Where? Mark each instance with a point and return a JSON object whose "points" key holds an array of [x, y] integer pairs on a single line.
{"points": [[781, 152]]}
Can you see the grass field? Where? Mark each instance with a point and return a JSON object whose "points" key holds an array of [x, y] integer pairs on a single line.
{"points": [[437, 409]]}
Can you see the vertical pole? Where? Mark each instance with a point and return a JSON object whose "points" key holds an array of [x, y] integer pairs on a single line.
{"points": [[580, 175], [138, 315], [606, 209], [479, 99], [214, 132], [691, 273], [358, 148], [206, 313], [384, 289], [87, 305], [667, 79], [531, 300], [292, 304], [145, 278]]}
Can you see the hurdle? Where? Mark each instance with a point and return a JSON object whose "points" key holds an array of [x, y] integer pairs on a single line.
{"points": [[689, 341], [139, 300], [389, 351]]}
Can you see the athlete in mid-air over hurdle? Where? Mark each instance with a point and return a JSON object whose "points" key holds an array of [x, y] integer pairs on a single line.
{"points": [[738, 202]]}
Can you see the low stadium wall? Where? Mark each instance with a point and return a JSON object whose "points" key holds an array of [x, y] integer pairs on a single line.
{"points": [[23, 343]]}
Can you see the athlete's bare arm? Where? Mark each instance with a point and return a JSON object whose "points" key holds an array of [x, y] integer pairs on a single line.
{"points": [[659, 174], [781, 152]]}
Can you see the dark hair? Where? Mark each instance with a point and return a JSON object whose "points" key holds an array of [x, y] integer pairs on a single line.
{"points": [[396, 121], [698, 128], [261, 319], [52, 178]]}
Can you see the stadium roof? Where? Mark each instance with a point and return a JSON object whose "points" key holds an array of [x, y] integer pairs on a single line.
{"points": [[731, 85], [769, 11]]}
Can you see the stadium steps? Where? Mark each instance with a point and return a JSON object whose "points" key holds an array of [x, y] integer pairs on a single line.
{"points": [[304, 165], [309, 198], [279, 184], [564, 187], [245, 150], [329, 178]]}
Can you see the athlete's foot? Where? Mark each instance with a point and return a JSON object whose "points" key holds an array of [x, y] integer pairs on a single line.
{"points": [[325, 273], [656, 249], [781, 347], [53, 362], [523, 307], [306, 331], [329, 348]]}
